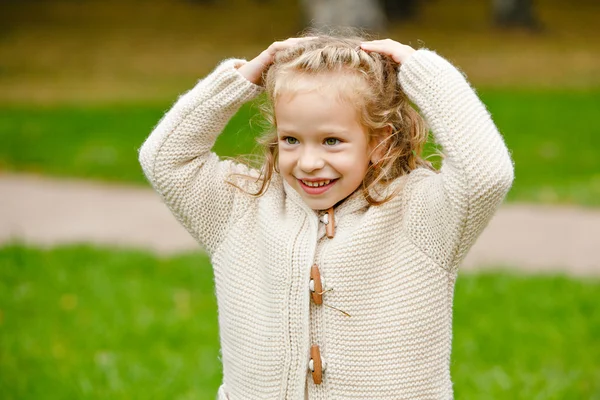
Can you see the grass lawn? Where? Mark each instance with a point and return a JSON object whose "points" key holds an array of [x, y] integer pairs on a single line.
{"points": [[83, 322], [92, 142], [553, 141]]}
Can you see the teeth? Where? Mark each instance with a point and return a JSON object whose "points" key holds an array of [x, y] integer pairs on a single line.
{"points": [[317, 184]]}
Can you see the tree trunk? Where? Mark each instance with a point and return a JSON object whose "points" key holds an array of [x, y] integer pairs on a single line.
{"points": [[512, 13], [366, 14]]}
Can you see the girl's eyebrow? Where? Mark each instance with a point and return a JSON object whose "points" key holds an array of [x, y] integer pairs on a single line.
{"points": [[286, 131], [324, 132]]}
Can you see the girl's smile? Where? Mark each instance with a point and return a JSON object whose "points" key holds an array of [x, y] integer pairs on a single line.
{"points": [[316, 187]]}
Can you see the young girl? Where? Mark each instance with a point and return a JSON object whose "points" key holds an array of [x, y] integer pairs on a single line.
{"points": [[335, 264]]}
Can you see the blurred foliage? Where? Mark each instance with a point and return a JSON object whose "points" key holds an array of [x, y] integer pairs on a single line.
{"points": [[97, 51], [83, 322]]}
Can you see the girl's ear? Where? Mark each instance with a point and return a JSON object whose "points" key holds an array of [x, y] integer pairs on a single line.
{"points": [[379, 144]]}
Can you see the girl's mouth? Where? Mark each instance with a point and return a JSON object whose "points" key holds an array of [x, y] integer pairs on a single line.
{"points": [[316, 187]]}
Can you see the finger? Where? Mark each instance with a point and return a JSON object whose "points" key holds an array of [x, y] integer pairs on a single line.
{"points": [[383, 42], [378, 43], [374, 44], [376, 47]]}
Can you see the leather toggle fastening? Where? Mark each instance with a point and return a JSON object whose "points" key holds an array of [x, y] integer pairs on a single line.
{"points": [[330, 227], [316, 364], [317, 288], [316, 284]]}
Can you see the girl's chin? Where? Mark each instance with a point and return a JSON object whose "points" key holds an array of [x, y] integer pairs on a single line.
{"points": [[317, 204], [321, 204]]}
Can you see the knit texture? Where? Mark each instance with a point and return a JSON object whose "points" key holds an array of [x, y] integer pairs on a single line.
{"points": [[392, 267]]}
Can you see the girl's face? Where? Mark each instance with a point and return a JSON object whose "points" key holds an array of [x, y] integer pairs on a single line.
{"points": [[324, 151]]}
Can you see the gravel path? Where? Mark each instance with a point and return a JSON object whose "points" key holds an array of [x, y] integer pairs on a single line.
{"points": [[48, 212]]}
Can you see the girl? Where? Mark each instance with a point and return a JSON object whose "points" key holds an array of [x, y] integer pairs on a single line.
{"points": [[335, 264]]}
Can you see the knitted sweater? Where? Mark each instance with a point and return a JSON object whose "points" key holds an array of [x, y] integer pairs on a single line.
{"points": [[391, 267]]}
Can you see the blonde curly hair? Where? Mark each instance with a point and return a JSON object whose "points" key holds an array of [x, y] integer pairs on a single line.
{"points": [[370, 82]]}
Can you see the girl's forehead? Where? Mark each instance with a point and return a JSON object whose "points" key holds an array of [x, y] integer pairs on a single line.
{"points": [[348, 86], [315, 109]]}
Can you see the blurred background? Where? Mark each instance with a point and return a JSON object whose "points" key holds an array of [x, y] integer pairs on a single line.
{"points": [[82, 83]]}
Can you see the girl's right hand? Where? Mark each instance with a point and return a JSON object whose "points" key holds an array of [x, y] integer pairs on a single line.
{"points": [[252, 70]]}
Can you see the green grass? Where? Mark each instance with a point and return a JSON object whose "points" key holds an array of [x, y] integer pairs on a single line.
{"points": [[553, 140], [92, 142], [83, 322]]}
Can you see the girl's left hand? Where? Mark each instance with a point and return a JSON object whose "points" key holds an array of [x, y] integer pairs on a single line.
{"points": [[398, 51]]}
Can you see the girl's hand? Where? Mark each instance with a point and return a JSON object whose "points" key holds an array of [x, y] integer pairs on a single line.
{"points": [[252, 70], [398, 51]]}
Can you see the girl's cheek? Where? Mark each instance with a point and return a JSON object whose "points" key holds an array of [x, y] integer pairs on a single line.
{"points": [[285, 162]]}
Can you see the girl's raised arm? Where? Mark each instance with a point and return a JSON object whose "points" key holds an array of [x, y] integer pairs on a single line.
{"points": [[177, 158], [446, 212]]}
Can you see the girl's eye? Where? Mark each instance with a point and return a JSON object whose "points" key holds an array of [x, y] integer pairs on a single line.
{"points": [[331, 141], [290, 140]]}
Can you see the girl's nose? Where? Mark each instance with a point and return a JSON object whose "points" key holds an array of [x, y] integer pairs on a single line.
{"points": [[310, 160]]}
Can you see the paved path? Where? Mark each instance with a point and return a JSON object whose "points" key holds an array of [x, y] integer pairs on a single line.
{"points": [[48, 212]]}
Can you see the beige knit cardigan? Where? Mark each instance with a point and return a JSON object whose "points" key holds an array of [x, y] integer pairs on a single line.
{"points": [[391, 267]]}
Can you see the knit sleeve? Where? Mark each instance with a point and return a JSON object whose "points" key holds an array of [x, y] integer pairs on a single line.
{"points": [[177, 159], [447, 211]]}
